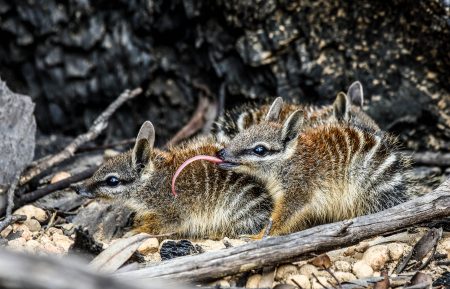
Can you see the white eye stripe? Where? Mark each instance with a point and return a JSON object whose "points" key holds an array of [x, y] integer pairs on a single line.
{"points": [[266, 145], [111, 175]]}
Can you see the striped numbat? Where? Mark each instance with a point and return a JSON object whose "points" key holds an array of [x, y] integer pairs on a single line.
{"points": [[211, 202], [242, 117], [330, 172]]}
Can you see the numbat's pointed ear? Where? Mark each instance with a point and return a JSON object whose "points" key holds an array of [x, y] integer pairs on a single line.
{"points": [[355, 94], [144, 145], [291, 127], [274, 111], [341, 106]]}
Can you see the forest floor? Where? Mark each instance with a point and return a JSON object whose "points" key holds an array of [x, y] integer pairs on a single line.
{"points": [[63, 223]]}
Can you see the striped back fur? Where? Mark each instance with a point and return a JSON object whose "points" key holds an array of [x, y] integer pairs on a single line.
{"points": [[330, 172], [210, 203]]}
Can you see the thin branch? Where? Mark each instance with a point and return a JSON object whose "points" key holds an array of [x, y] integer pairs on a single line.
{"points": [[334, 277], [11, 190], [275, 250], [318, 281], [65, 183], [11, 220], [18, 270], [39, 193], [10, 205], [97, 127], [90, 148], [194, 125]]}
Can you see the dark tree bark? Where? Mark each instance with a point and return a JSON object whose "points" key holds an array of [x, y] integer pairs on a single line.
{"points": [[74, 56]]}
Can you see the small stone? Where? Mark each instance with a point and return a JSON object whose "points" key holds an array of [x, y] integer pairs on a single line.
{"points": [[211, 245], [52, 249], [343, 277], [59, 177], [151, 245], [308, 270], [26, 233], [220, 284], [395, 251], [299, 279], [110, 153], [317, 285], [362, 270], [446, 245], [342, 266], [32, 212], [17, 244], [376, 257], [6, 231], [152, 258], [23, 230], [45, 239], [361, 247], [68, 226], [52, 230], [253, 281], [32, 246], [284, 271], [33, 225], [62, 241]]}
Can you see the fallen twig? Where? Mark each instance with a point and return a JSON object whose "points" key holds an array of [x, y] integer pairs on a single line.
{"points": [[427, 243], [383, 284], [10, 204], [65, 183], [117, 254], [106, 146], [11, 219], [275, 250], [318, 281], [97, 127], [39, 193], [194, 125], [18, 270], [430, 158]]}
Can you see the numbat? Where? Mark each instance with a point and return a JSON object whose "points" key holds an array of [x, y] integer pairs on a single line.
{"points": [[346, 105], [211, 202], [320, 174]]}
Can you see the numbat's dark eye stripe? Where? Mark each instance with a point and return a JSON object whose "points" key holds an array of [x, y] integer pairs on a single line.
{"points": [[112, 181]]}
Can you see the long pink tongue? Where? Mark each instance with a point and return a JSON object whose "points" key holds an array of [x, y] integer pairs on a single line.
{"points": [[188, 161]]}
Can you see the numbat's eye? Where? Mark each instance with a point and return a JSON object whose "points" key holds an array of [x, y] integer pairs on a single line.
{"points": [[112, 181], [260, 150]]}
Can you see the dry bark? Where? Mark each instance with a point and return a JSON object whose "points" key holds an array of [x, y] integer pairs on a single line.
{"points": [[18, 270], [272, 251]]}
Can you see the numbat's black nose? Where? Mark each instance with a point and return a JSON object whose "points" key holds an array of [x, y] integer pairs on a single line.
{"points": [[221, 154], [80, 190]]}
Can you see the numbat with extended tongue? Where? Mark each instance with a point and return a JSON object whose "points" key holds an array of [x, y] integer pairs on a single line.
{"points": [[211, 202], [326, 173]]}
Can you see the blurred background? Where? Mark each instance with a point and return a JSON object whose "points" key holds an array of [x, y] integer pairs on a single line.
{"points": [[74, 57]]}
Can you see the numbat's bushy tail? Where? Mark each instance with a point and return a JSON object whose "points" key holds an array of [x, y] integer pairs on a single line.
{"points": [[210, 202], [321, 174]]}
